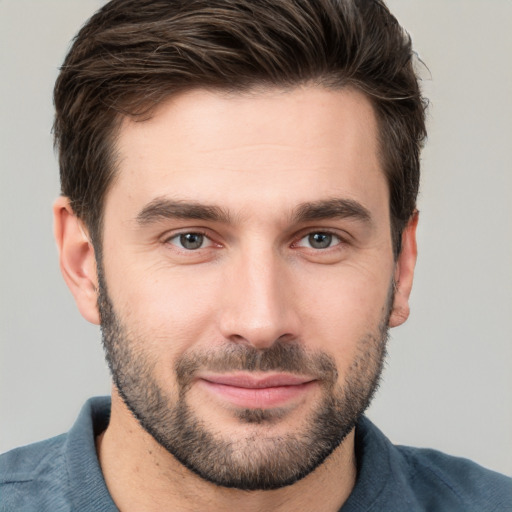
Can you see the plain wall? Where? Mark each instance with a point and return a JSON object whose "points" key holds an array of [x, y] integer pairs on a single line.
{"points": [[448, 380]]}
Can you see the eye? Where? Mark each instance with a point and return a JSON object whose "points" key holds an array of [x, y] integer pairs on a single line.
{"points": [[319, 240], [190, 241]]}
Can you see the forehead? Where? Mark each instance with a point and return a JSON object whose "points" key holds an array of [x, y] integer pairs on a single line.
{"points": [[291, 145]]}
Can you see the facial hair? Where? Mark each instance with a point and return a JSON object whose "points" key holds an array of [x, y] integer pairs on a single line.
{"points": [[258, 461]]}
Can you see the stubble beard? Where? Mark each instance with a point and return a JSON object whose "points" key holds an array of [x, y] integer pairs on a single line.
{"points": [[258, 461]]}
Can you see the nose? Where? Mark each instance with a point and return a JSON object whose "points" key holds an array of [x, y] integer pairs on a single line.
{"points": [[258, 307]]}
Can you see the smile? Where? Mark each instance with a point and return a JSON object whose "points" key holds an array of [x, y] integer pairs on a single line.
{"points": [[257, 392]]}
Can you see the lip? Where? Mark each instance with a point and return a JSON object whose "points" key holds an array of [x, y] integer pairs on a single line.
{"points": [[257, 391]]}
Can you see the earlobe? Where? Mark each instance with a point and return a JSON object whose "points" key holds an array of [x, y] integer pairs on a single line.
{"points": [[76, 258], [404, 273]]}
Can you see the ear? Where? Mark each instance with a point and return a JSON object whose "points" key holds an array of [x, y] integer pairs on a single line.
{"points": [[404, 273], [76, 258]]}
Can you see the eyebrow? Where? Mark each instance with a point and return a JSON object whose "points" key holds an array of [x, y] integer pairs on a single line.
{"points": [[332, 209], [163, 208]]}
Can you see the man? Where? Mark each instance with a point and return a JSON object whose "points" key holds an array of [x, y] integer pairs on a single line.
{"points": [[238, 213]]}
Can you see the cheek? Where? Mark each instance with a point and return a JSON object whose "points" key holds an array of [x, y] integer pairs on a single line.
{"points": [[342, 308], [170, 310], [176, 309]]}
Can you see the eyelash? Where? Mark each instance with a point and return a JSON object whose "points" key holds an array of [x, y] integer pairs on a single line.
{"points": [[185, 233], [327, 233], [330, 234]]}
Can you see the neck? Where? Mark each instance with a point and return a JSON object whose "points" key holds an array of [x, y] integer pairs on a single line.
{"points": [[142, 476]]}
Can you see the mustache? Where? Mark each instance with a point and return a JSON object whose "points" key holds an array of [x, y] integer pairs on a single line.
{"points": [[282, 356]]}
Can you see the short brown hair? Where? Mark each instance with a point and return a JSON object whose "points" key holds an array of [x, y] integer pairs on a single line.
{"points": [[132, 54]]}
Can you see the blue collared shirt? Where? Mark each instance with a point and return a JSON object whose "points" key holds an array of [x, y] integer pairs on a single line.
{"points": [[63, 474]]}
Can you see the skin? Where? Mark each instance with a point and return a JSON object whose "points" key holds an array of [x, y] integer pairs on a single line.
{"points": [[257, 156]]}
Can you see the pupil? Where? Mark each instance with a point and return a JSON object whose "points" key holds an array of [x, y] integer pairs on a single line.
{"points": [[191, 240], [320, 240]]}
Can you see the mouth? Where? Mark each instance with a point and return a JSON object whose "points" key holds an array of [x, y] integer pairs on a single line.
{"points": [[257, 391]]}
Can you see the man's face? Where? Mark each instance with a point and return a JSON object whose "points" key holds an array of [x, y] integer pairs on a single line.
{"points": [[246, 278]]}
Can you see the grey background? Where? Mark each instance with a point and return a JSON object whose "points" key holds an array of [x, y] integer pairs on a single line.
{"points": [[448, 382]]}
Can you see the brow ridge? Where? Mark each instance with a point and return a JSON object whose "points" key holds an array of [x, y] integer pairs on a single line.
{"points": [[332, 208], [162, 208]]}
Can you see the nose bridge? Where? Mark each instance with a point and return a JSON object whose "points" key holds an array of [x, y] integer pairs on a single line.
{"points": [[258, 309]]}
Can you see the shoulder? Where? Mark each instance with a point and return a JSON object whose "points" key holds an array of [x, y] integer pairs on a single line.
{"points": [[61, 473], [406, 479], [440, 479], [28, 461], [33, 477]]}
